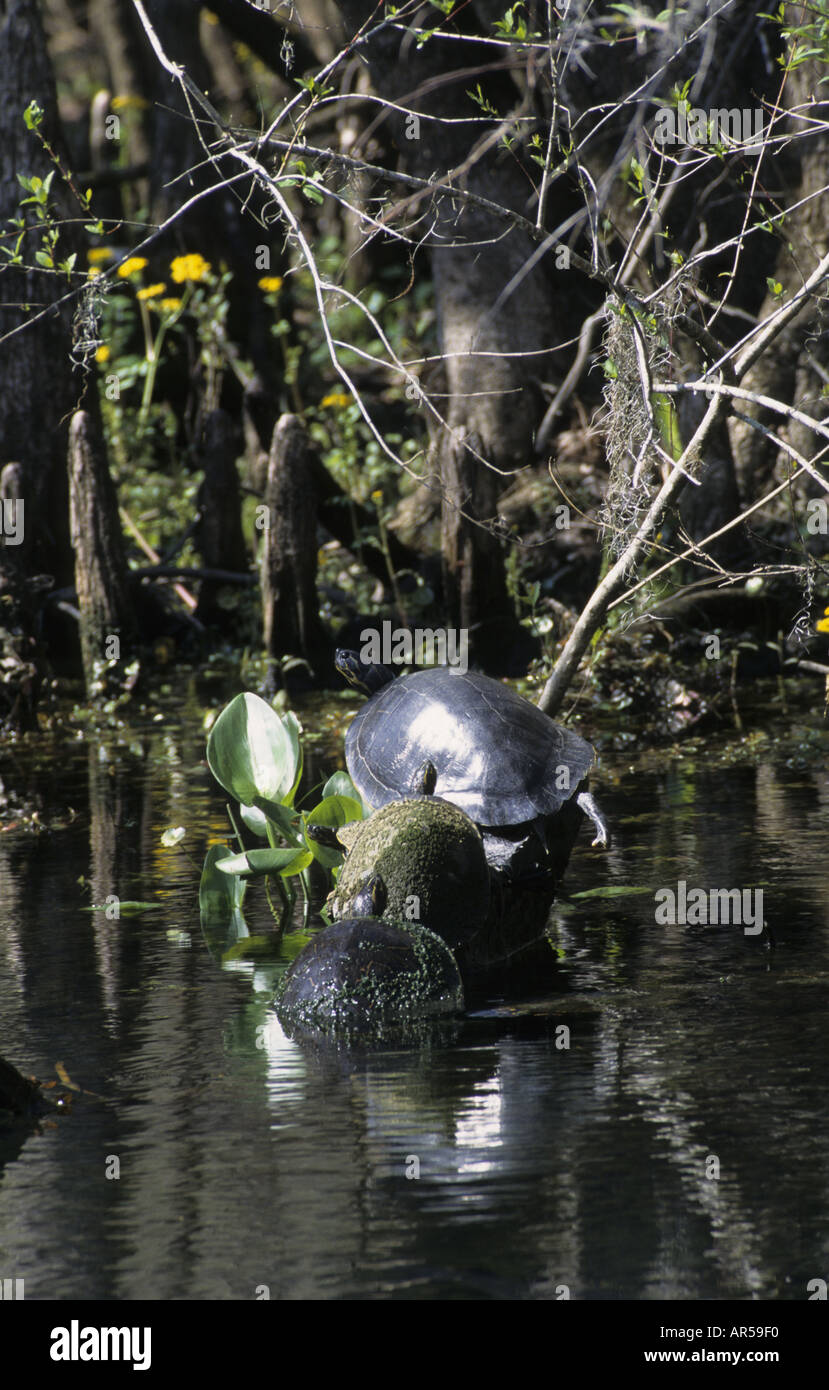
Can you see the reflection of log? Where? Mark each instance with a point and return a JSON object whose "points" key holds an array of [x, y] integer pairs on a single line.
{"points": [[101, 574], [290, 610], [219, 532]]}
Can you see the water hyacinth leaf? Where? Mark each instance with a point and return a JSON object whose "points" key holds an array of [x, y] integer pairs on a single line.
{"points": [[335, 810], [281, 817], [255, 820], [220, 895], [611, 890], [340, 784], [251, 753], [266, 861], [126, 907], [293, 729]]}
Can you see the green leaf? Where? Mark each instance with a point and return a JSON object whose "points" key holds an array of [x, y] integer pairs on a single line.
{"points": [[293, 729], [340, 784], [283, 818], [266, 861], [220, 896], [255, 820], [611, 891], [126, 907], [251, 752], [33, 115]]}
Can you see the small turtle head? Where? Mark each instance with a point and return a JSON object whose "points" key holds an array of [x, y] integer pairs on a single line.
{"points": [[371, 899], [325, 835], [362, 675], [425, 779]]}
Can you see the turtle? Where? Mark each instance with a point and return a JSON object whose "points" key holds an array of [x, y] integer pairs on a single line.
{"points": [[515, 772], [422, 859], [369, 975]]}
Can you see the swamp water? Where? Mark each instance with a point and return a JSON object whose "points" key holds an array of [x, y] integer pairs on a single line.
{"points": [[674, 1143]]}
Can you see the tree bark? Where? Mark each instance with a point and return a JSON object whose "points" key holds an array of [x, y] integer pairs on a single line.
{"points": [[219, 533], [292, 625], [486, 329], [101, 572], [785, 370], [39, 391]]}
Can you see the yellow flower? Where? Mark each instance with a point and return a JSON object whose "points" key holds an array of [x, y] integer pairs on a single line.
{"points": [[131, 266], [270, 283], [99, 253], [337, 398], [169, 306], [192, 267], [822, 625], [151, 291], [102, 355]]}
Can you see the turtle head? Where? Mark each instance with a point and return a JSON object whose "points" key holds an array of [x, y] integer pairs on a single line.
{"points": [[325, 835], [425, 779], [363, 675], [372, 898]]}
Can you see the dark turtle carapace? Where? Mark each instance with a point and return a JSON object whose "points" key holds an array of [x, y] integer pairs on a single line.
{"points": [[514, 771]]}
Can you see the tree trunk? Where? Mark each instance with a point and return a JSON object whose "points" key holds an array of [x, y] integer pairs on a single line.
{"points": [[485, 331], [219, 533], [101, 572], [39, 391], [292, 625], [785, 370]]}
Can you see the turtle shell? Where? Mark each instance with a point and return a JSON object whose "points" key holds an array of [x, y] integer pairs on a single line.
{"points": [[423, 848], [365, 973], [498, 757]]}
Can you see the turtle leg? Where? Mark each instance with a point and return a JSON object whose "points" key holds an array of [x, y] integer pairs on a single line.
{"points": [[591, 810]]}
